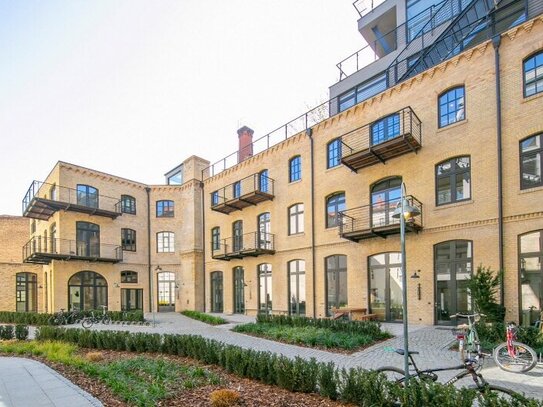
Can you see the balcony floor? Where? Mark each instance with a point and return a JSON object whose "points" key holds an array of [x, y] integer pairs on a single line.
{"points": [[243, 201], [46, 258], [243, 253], [381, 231], [43, 209], [382, 152]]}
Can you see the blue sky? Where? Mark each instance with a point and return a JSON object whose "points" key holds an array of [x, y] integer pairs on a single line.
{"points": [[134, 87]]}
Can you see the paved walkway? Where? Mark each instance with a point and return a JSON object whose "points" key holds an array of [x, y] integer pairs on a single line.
{"points": [[25, 382], [431, 341]]}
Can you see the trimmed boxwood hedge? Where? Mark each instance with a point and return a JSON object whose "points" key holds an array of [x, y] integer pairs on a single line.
{"points": [[34, 318], [8, 332], [355, 385]]}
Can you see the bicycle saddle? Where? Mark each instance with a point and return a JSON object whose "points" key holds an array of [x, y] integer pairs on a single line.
{"points": [[411, 352]]}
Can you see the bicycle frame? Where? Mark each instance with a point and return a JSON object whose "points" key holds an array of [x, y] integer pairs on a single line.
{"points": [[511, 336]]}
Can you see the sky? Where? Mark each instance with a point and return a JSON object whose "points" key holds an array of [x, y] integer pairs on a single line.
{"points": [[133, 87]]}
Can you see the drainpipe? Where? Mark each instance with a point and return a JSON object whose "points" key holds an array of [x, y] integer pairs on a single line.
{"points": [[148, 190], [203, 240], [496, 40], [309, 132]]}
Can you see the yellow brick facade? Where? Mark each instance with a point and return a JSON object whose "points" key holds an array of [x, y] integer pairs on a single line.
{"points": [[475, 219]]}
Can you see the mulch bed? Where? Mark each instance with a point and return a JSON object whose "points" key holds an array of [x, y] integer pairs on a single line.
{"points": [[253, 393]]}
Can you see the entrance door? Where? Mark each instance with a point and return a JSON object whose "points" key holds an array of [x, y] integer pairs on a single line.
{"points": [[453, 266], [264, 229], [385, 195], [88, 239], [216, 292], [239, 290], [166, 291], [531, 277], [386, 286]]}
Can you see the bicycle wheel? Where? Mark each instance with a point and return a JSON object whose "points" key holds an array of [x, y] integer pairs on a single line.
{"points": [[499, 396], [393, 374], [523, 358], [87, 323], [106, 320], [52, 320]]}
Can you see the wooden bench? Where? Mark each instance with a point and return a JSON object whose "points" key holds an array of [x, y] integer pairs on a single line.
{"points": [[354, 314]]}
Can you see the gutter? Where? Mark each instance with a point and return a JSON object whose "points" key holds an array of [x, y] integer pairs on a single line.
{"points": [[309, 132], [203, 241], [148, 190]]}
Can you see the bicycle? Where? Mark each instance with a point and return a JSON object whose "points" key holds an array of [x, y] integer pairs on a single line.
{"points": [[513, 356], [65, 318], [89, 321], [468, 342]]}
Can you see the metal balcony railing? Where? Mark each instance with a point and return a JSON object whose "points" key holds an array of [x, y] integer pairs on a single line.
{"points": [[42, 200], [247, 245], [376, 220], [365, 6], [41, 250], [391, 136], [248, 191]]}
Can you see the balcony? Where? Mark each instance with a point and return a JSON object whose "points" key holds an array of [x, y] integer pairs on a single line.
{"points": [[369, 221], [394, 135], [40, 250], [248, 191], [42, 200], [248, 245]]}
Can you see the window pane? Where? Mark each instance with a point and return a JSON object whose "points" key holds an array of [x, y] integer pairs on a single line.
{"points": [[463, 186], [443, 190], [530, 243]]}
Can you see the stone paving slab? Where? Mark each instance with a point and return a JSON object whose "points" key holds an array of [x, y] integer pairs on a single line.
{"points": [[25, 382]]}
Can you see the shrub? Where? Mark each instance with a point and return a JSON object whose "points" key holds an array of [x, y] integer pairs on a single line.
{"points": [[94, 356], [224, 398], [483, 287], [208, 319], [21, 332], [6, 332]]}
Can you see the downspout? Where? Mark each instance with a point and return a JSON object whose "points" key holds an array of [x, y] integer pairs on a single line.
{"points": [[496, 40], [203, 240], [148, 190], [309, 132]]}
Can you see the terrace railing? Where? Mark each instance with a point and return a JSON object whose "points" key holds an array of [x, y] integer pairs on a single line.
{"points": [[248, 191], [251, 244], [43, 199], [365, 6]]}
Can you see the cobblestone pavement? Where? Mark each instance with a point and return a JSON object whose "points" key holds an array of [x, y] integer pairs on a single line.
{"points": [[25, 382], [433, 343]]}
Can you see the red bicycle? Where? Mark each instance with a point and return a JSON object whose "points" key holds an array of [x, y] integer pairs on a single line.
{"points": [[513, 356]]}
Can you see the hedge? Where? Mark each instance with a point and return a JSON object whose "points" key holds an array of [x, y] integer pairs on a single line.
{"points": [[355, 385], [7, 332], [34, 318]]}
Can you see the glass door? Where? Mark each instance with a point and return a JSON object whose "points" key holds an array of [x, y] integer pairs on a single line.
{"points": [[239, 290], [166, 291], [237, 233], [88, 239], [264, 236], [216, 292], [386, 286], [385, 195]]}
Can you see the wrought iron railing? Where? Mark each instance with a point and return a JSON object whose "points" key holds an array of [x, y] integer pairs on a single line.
{"points": [[365, 6], [72, 196], [364, 138], [249, 244], [40, 246], [253, 184], [375, 216]]}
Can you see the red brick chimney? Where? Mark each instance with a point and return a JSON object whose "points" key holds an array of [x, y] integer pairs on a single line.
{"points": [[245, 136]]}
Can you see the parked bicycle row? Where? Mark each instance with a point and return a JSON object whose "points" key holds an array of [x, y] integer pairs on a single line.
{"points": [[89, 318]]}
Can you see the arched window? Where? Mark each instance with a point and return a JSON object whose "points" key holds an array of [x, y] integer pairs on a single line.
{"points": [[165, 242], [385, 196], [533, 74], [334, 204], [128, 204], [453, 180], [265, 294], [385, 129], [531, 276], [26, 292], [264, 231], [451, 106], [128, 239], [129, 276], [295, 169], [87, 290], [336, 282], [216, 292], [296, 287], [87, 196], [453, 262], [165, 209], [237, 235], [531, 161], [263, 181], [296, 219], [88, 239], [333, 156]]}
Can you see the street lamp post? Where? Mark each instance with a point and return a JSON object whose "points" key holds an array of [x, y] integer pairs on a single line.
{"points": [[404, 211]]}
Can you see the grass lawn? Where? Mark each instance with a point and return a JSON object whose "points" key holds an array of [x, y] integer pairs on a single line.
{"points": [[208, 319], [310, 335]]}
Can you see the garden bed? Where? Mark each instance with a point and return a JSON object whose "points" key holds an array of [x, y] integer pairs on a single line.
{"points": [[208, 319]]}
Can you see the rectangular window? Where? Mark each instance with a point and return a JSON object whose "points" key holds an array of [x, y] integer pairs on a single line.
{"points": [[128, 240], [131, 299], [296, 219], [214, 198], [215, 238], [531, 161], [175, 179], [165, 209], [362, 92], [165, 242], [453, 180], [236, 189]]}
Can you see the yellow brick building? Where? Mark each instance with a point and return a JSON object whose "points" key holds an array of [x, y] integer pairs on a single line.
{"points": [[300, 221]]}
